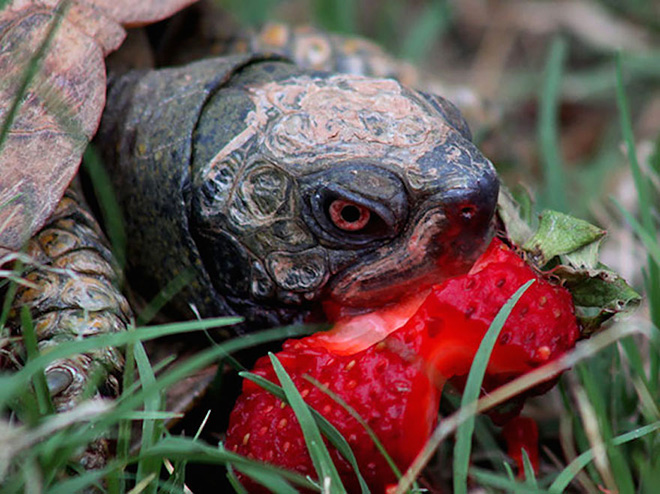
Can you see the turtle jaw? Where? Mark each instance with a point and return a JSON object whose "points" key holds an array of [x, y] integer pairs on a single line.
{"points": [[451, 230]]}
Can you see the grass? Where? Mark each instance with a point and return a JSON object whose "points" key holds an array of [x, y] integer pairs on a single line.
{"points": [[604, 434]]}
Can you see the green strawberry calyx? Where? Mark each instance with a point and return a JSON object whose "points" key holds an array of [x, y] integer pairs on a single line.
{"points": [[567, 249]]}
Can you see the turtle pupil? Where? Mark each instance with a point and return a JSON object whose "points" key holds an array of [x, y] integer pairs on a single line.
{"points": [[348, 216], [350, 213]]}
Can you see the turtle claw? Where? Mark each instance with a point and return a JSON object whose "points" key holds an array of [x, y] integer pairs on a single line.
{"points": [[58, 380]]}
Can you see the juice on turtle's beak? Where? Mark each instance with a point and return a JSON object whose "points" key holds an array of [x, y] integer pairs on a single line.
{"points": [[448, 232]]}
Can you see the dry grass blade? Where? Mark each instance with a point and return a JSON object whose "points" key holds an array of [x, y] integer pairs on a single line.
{"points": [[14, 439], [592, 430]]}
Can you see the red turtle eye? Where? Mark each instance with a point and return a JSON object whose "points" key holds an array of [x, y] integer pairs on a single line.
{"points": [[349, 216]]}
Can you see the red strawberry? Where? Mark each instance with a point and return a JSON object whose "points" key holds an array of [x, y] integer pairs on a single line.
{"points": [[522, 433], [394, 382], [391, 394]]}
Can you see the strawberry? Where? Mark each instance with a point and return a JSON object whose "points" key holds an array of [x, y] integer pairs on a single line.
{"points": [[392, 374], [394, 397], [522, 433]]}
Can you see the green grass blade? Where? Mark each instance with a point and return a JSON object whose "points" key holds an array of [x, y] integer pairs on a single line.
{"points": [[200, 361], [164, 296], [107, 200], [326, 427], [484, 435], [555, 190], [620, 468], [648, 239], [634, 356], [530, 476], [336, 15], [472, 390], [89, 430], [181, 448], [509, 472], [568, 474], [251, 13], [155, 415], [235, 483], [641, 184], [39, 380], [202, 425], [372, 435], [124, 428], [486, 478], [429, 26], [31, 70], [83, 481], [9, 296], [151, 433], [323, 464], [274, 483], [12, 385], [645, 207]]}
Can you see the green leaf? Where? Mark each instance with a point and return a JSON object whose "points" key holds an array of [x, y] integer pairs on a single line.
{"points": [[561, 234], [605, 290], [509, 211]]}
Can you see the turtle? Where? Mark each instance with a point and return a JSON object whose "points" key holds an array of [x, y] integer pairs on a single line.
{"points": [[269, 188]]}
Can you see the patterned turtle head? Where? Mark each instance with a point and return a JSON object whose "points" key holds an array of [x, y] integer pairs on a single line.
{"points": [[309, 186], [268, 189]]}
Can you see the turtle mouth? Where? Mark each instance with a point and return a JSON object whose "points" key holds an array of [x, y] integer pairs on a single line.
{"points": [[444, 241]]}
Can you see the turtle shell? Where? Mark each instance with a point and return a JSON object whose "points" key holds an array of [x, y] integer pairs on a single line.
{"points": [[51, 98]]}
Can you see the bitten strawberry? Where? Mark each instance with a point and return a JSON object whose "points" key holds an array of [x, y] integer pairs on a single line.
{"points": [[392, 394], [393, 374]]}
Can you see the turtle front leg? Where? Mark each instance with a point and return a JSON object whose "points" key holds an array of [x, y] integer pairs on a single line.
{"points": [[74, 294]]}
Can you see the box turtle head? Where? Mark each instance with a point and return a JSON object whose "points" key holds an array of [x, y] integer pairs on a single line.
{"points": [[295, 187]]}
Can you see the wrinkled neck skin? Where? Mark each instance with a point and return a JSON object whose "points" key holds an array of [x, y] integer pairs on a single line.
{"points": [[312, 187]]}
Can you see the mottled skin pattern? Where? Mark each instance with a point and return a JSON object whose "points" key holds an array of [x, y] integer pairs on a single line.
{"points": [[227, 172], [76, 295], [73, 292], [244, 202]]}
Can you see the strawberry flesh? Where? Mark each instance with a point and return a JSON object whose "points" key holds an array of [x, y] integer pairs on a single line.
{"points": [[392, 374], [394, 397]]}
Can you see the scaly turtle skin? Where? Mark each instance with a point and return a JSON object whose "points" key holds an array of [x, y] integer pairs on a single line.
{"points": [[278, 187], [274, 187]]}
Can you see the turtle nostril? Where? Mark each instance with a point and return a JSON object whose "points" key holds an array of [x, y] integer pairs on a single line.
{"points": [[468, 212], [471, 209]]}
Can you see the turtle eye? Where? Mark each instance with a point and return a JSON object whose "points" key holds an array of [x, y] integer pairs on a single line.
{"points": [[348, 216]]}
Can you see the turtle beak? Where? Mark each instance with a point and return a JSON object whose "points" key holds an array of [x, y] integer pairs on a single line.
{"points": [[449, 231]]}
